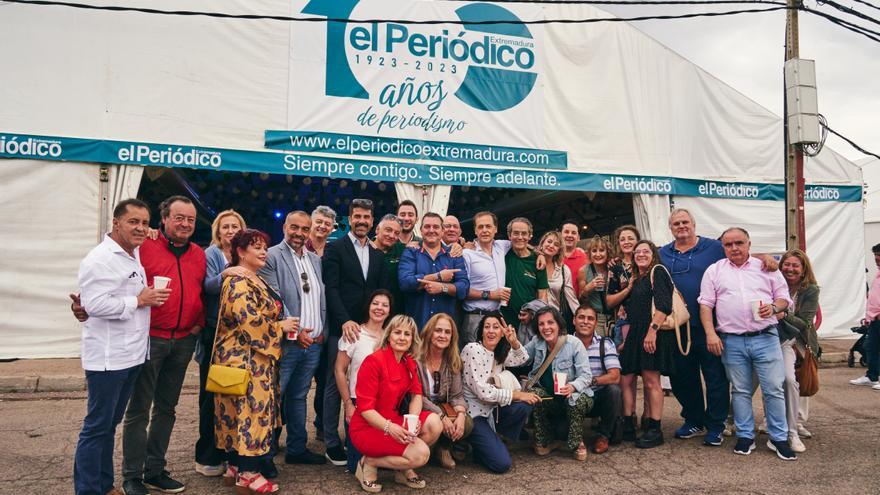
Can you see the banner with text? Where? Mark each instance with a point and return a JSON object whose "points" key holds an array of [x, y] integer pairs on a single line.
{"points": [[57, 148]]}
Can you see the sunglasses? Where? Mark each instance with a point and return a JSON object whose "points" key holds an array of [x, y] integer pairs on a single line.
{"points": [[305, 282]]}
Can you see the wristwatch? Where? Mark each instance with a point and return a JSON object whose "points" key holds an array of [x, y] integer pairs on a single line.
{"points": [[445, 288], [485, 295], [594, 382], [773, 307], [655, 326]]}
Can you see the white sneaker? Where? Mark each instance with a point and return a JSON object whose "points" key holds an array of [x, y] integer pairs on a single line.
{"points": [[762, 428], [863, 380], [877, 386], [795, 442], [803, 432], [210, 471], [729, 430]]}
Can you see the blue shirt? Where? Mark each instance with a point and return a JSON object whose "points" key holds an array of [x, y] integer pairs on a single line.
{"points": [[213, 283], [415, 264], [687, 270]]}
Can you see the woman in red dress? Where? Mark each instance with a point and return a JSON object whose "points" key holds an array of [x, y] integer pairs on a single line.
{"points": [[376, 429]]}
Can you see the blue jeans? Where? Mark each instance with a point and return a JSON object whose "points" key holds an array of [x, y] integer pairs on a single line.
{"points": [[108, 394], [489, 450], [709, 411], [872, 350], [298, 366], [763, 355]]}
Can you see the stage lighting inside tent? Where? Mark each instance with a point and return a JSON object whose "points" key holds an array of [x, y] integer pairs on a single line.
{"points": [[277, 214]]}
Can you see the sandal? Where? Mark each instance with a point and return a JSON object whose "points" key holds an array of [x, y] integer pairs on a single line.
{"points": [[581, 453], [230, 475], [254, 483], [415, 482], [366, 485]]}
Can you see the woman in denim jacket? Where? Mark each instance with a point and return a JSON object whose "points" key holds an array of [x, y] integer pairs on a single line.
{"points": [[575, 398]]}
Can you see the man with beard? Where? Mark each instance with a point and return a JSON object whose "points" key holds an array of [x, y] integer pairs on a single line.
{"points": [[409, 217], [174, 325], [295, 273], [430, 277], [353, 269], [115, 340]]}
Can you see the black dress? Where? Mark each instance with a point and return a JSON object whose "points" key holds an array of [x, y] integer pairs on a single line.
{"points": [[634, 358]]}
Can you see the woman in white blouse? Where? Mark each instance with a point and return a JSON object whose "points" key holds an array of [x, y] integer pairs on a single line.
{"points": [[559, 276], [495, 411], [352, 354]]}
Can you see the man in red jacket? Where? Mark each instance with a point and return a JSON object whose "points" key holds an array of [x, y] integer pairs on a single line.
{"points": [[150, 416]]}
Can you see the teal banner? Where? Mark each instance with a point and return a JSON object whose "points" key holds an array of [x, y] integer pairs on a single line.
{"points": [[413, 149], [24, 146]]}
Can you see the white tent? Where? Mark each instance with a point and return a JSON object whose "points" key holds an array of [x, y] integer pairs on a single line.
{"points": [[629, 115], [871, 173]]}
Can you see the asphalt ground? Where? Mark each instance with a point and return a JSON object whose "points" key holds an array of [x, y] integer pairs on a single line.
{"points": [[38, 433]]}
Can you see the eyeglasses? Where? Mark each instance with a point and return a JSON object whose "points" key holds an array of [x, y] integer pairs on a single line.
{"points": [[682, 267], [436, 376], [305, 282]]}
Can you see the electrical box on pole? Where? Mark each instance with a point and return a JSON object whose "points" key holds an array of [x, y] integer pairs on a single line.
{"points": [[802, 106]]}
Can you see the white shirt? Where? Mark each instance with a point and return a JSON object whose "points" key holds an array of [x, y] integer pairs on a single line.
{"points": [[486, 271], [363, 253], [478, 367], [309, 302], [117, 334], [357, 351]]}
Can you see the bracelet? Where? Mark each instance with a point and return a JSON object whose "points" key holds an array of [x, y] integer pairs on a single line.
{"points": [[387, 424]]}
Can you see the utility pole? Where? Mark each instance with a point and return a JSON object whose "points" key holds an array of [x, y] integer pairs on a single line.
{"points": [[794, 156]]}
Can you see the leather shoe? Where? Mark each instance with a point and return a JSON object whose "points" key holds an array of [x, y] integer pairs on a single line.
{"points": [[600, 445], [305, 457]]}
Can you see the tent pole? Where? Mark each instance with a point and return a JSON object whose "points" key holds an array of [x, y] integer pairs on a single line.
{"points": [[103, 193]]}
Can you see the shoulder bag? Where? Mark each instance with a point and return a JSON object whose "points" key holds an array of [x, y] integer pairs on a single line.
{"points": [[560, 342], [806, 370], [226, 380], [679, 316], [604, 321]]}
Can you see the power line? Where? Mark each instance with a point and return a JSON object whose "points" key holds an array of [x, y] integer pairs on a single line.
{"points": [[872, 35], [868, 4], [847, 10], [634, 2], [849, 141], [222, 15]]}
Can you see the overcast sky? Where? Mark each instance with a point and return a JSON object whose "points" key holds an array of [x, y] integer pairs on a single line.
{"points": [[747, 52]]}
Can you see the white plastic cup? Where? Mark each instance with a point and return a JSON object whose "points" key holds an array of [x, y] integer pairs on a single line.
{"points": [[756, 308], [411, 423], [504, 302], [161, 282], [559, 380], [292, 335]]}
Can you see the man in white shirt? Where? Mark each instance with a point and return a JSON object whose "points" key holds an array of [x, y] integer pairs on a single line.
{"points": [[115, 339], [486, 271]]}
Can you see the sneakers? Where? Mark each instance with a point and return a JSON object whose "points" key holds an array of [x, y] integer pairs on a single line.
{"points": [[729, 430], [164, 483], [336, 456], [713, 438], [134, 487], [744, 446], [762, 428], [795, 442], [210, 471], [803, 432], [782, 449], [864, 381], [876, 387], [689, 430]]}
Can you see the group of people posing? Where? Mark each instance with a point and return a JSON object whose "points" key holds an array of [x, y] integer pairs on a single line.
{"points": [[427, 345]]}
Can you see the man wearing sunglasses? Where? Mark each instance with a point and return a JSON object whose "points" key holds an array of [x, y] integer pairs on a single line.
{"points": [[295, 273]]}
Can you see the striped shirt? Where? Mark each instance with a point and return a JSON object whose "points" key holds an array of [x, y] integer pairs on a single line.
{"points": [[611, 360], [309, 302]]}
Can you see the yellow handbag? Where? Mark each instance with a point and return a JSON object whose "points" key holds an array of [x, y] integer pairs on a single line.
{"points": [[226, 380]]}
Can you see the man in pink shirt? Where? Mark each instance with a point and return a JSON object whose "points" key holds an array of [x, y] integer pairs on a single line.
{"points": [[872, 340], [573, 256], [745, 299]]}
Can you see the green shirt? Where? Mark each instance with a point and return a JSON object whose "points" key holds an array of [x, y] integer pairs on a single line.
{"points": [[392, 262], [524, 280]]}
